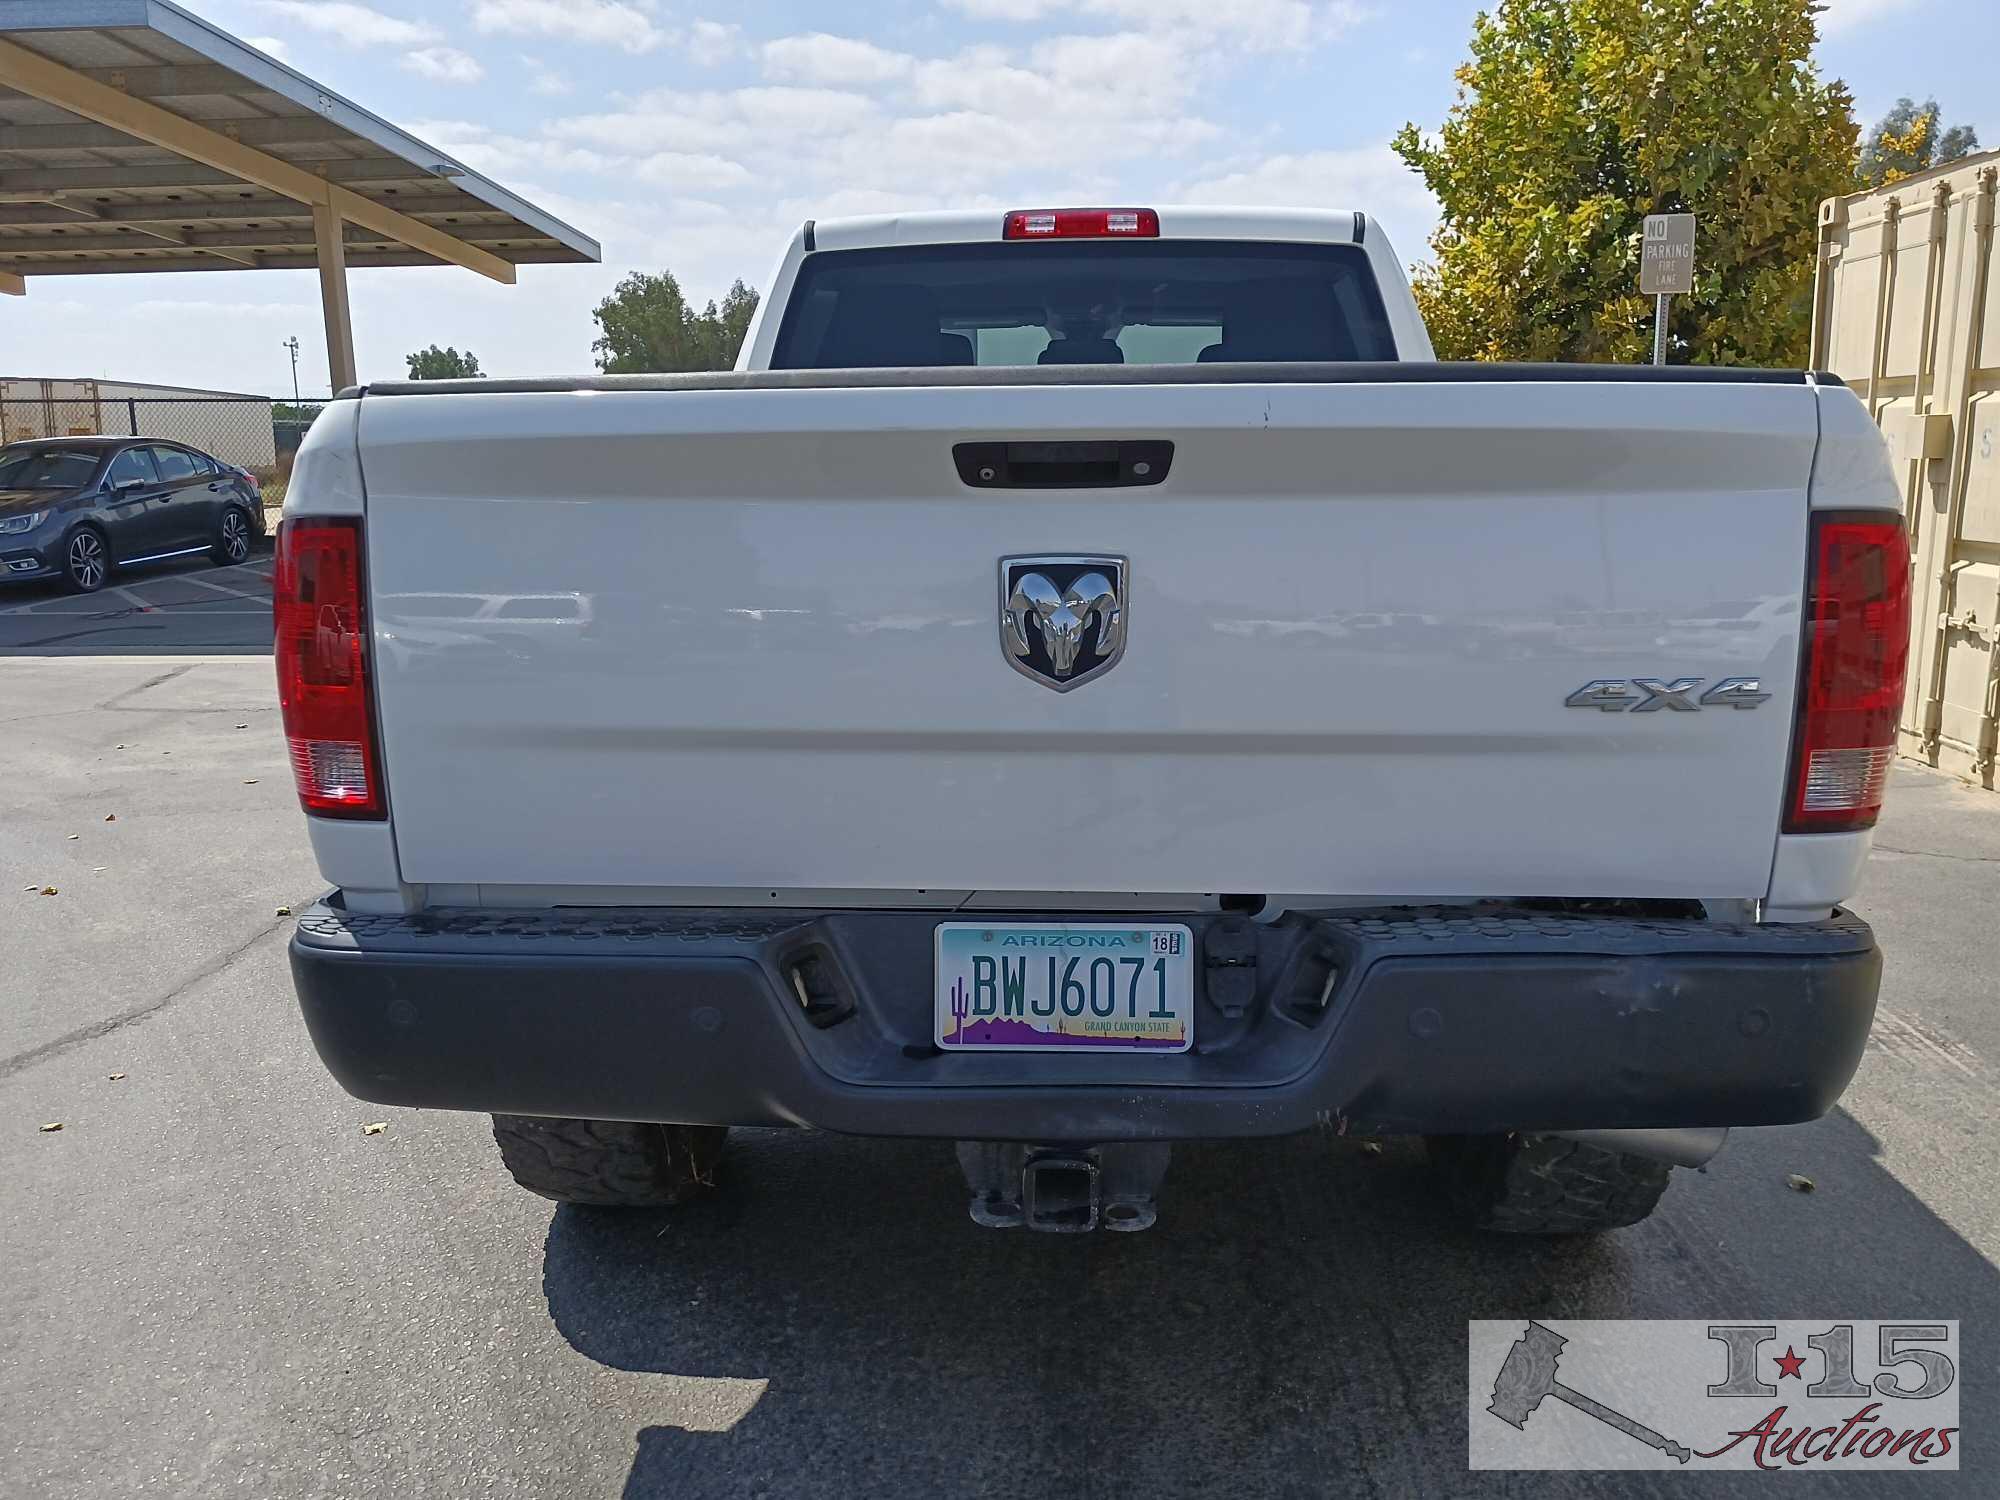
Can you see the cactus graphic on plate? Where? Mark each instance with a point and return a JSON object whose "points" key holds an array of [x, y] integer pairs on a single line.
{"points": [[960, 1007]]}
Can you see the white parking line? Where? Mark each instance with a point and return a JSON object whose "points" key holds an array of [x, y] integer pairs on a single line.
{"points": [[61, 606], [216, 588], [79, 656]]}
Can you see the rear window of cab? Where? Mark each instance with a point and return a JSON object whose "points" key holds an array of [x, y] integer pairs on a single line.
{"points": [[1145, 301]]}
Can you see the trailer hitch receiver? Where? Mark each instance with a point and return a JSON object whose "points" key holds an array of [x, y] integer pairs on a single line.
{"points": [[1063, 1189]]}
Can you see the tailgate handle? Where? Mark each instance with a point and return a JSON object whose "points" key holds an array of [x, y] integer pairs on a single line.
{"points": [[1091, 465]]}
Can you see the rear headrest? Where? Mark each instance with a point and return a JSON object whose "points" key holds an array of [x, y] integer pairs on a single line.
{"points": [[1278, 320], [882, 327], [1082, 352]]}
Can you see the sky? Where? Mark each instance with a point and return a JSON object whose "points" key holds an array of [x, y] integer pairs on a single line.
{"points": [[696, 135]]}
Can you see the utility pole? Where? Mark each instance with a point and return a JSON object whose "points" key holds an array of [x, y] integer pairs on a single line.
{"points": [[292, 344]]}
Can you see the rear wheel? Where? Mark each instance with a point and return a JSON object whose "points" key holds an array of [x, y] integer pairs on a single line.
{"points": [[609, 1163], [231, 543], [1545, 1184], [86, 561]]}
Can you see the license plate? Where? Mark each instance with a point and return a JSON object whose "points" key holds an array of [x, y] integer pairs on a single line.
{"points": [[1061, 986]]}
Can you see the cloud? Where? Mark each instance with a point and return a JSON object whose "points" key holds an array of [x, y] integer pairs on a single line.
{"points": [[771, 119], [545, 81], [626, 24], [714, 180], [443, 65], [486, 150], [157, 307], [713, 42], [1372, 179], [1133, 64], [1072, 100], [271, 46], [1240, 25], [690, 171], [353, 25], [1006, 10], [954, 127], [819, 58], [1841, 16]]}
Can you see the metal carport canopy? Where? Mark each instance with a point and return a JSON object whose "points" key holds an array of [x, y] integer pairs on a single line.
{"points": [[135, 137]]}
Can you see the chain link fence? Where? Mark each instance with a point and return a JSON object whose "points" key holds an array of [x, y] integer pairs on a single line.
{"points": [[239, 430]]}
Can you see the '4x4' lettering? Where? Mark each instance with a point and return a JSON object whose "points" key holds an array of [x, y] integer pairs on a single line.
{"points": [[1644, 695]]}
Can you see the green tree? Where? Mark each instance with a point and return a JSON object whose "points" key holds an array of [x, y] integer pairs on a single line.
{"points": [[443, 364], [1907, 141], [646, 326], [1574, 120], [731, 321]]}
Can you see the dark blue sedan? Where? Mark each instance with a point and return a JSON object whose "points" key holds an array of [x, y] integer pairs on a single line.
{"points": [[75, 508]]}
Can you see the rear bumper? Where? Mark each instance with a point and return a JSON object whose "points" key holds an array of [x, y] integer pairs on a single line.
{"points": [[1437, 1020]]}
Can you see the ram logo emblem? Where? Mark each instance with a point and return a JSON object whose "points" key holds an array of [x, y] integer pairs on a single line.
{"points": [[1062, 618]]}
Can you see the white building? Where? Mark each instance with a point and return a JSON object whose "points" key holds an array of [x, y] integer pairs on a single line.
{"points": [[234, 427]]}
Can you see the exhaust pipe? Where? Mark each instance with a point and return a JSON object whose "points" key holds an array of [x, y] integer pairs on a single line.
{"points": [[1687, 1146]]}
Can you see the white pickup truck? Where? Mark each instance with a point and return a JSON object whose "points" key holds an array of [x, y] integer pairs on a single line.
{"points": [[1089, 680]]}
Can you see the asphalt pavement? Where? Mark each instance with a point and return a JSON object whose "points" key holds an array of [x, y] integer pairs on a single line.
{"points": [[212, 1281], [188, 604]]}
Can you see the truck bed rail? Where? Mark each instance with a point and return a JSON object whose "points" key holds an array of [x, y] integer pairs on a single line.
{"points": [[1247, 373]]}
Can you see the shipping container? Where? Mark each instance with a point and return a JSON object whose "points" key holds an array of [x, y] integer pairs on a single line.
{"points": [[1907, 313], [233, 427]]}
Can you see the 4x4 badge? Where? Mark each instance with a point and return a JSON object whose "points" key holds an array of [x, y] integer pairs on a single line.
{"points": [[1645, 695]]}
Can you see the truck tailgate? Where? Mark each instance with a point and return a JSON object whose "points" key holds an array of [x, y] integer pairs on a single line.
{"points": [[751, 638]]}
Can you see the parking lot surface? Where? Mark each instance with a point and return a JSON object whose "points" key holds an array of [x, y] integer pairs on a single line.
{"points": [[162, 609], [216, 1283]]}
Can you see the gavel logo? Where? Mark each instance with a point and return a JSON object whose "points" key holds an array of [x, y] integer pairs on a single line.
{"points": [[1529, 1374]]}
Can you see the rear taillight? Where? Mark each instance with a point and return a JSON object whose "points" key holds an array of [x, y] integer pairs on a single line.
{"points": [[321, 613], [1080, 224], [1856, 646]]}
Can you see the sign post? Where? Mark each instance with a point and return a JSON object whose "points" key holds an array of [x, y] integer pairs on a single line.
{"points": [[1666, 269]]}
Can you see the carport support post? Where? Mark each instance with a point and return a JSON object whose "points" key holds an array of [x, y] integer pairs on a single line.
{"points": [[328, 233]]}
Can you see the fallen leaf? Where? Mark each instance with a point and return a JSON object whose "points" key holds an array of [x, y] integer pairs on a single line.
{"points": [[48, 890], [114, 1077], [121, 747], [52, 1125], [32, 890], [1800, 1184], [98, 869], [111, 817], [74, 837], [373, 1127], [1371, 1148], [284, 911], [242, 726], [250, 781]]}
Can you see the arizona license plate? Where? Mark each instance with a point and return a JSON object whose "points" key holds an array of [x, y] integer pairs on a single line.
{"points": [[1008, 987]]}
